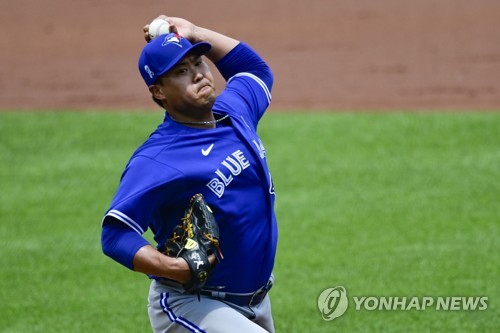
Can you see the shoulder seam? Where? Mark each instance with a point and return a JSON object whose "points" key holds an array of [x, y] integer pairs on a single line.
{"points": [[258, 80]]}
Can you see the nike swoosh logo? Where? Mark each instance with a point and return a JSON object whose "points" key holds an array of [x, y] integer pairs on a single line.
{"points": [[207, 151]]}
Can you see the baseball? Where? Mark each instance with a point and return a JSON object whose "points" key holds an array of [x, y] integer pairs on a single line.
{"points": [[158, 27]]}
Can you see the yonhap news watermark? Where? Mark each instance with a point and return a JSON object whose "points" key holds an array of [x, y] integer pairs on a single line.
{"points": [[333, 303]]}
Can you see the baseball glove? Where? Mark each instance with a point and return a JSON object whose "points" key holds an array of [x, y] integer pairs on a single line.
{"points": [[194, 240]]}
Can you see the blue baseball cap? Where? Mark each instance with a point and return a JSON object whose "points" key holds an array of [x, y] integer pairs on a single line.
{"points": [[164, 52]]}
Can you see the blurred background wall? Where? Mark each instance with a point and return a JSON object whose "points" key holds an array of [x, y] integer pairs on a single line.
{"points": [[326, 54]]}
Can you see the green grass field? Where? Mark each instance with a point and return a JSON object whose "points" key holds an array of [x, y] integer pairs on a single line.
{"points": [[387, 204]]}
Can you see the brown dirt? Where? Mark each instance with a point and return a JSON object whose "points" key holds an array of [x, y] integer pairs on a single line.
{"points": [[343, 54]]}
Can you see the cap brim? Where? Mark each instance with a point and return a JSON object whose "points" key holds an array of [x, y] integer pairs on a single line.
{"points": [[200, 48]]}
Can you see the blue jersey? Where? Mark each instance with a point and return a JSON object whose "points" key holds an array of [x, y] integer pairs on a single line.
{"points": [[227, 164]]}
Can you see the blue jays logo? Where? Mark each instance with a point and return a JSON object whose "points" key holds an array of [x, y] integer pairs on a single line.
{"points": [[172, 39]]}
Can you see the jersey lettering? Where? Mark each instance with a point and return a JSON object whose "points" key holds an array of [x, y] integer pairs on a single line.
{"points": [[260, 148], [271, 185], [233, 165], [216, 186]]}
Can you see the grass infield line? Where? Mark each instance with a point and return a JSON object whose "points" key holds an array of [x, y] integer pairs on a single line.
{"points": [[384, 204]]}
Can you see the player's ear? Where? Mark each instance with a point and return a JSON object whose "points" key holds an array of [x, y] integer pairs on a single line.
{"points": [[157, 92]]}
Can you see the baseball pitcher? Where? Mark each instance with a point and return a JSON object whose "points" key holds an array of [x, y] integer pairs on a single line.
{"points": [[201, 184]]}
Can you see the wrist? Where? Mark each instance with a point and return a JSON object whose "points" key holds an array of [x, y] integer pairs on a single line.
{"points": [[198, 34], [150, 261], [179, 270]]}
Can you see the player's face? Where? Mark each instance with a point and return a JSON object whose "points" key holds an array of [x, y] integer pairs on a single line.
{"points": [[189, 86]]}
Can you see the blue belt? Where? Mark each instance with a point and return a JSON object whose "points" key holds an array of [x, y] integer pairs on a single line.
{"points": [[251, 299]]}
